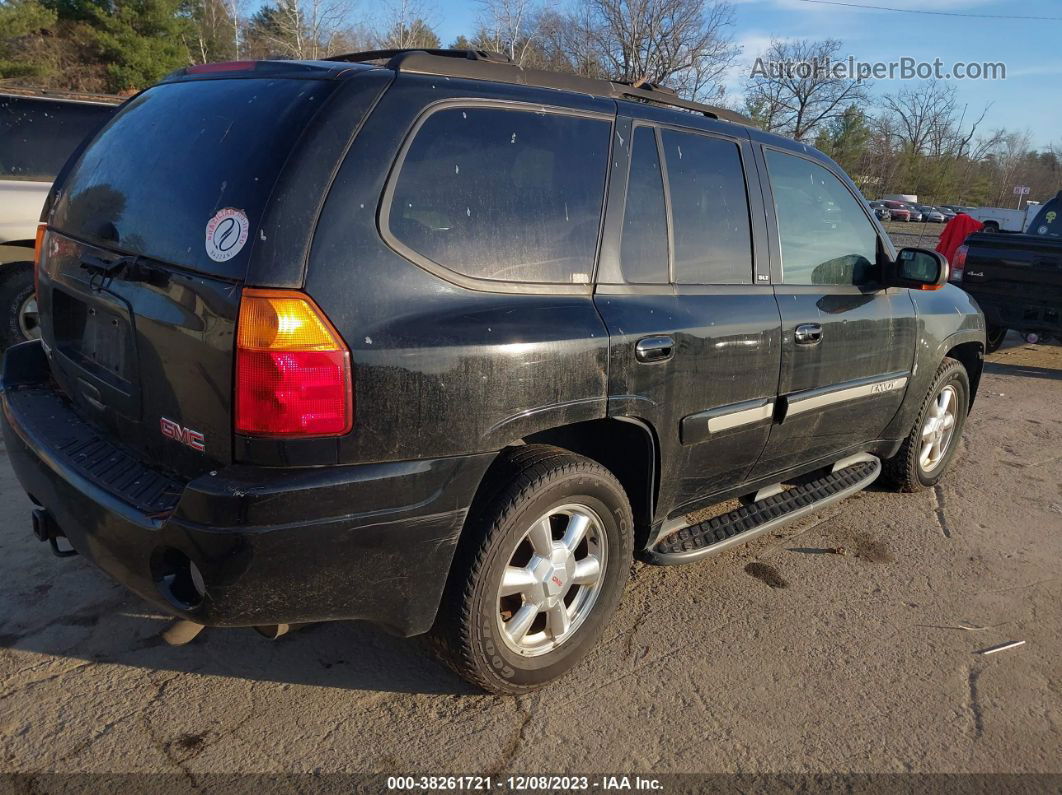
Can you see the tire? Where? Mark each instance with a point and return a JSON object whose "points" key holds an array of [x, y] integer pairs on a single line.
{"points": [[995, 337], [991, 226], [909, 470], [535, 482], [16, 288]]}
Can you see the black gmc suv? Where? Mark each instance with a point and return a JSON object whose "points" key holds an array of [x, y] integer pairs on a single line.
{"points": [[431, 340]]}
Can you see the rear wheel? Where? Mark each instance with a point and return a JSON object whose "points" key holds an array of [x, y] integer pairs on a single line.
{"points": [[538, 574], [928, 449], [996, 335], [19, 305]]}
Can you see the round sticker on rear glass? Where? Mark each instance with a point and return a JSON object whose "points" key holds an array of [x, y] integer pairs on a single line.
{"points": [[226, 234]]}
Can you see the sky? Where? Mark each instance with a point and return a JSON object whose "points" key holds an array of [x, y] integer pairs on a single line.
{"points": [[1030, 98]]}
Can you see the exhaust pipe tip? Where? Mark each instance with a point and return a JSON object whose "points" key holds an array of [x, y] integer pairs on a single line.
{"points": [[273, 631], [181, 632]]}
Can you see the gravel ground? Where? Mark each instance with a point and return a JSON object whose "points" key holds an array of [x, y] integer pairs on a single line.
{"points": [[921, 235], [781, 656]]}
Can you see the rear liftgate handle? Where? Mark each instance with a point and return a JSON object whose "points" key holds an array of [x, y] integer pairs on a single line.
{"points": [[808, 334], [654, 349]]}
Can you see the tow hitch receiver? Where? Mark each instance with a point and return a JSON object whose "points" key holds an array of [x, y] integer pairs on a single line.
{"points": [[45, 528]]}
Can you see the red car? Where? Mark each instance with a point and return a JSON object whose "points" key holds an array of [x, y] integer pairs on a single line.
{"points": [[898, 211]]}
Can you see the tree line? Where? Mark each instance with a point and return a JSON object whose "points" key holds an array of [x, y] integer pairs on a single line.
{"points": [[922, 138]]}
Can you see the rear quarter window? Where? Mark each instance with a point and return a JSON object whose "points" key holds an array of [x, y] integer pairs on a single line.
{"points": [[502, 194]]}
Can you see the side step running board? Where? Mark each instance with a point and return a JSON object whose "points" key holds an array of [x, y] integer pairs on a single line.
{"points": [[720, 532]]}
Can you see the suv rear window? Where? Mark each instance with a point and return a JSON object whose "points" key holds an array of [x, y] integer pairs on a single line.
{"points": [[37, 135], [501, 194], [182, 155]]}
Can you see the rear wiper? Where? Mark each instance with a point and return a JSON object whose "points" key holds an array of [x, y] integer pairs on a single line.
{"points": [[102, 271]]}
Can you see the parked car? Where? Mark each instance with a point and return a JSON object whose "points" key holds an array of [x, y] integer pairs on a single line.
{"points": [[1016, 278], [947, 212], [930, 214], [897, 210], [38, 132], [1002, 219], [916, 214], [420, 338], [881, 211]]}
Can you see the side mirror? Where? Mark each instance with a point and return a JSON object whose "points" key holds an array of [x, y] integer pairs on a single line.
{"points": [[919, 269]]}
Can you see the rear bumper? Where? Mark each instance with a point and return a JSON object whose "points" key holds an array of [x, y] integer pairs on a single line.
{"points": [[1028, 315], [269, 546]]}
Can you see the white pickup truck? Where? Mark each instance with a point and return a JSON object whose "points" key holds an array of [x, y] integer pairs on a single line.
{"points": [[38, 132], [1000, 219]]}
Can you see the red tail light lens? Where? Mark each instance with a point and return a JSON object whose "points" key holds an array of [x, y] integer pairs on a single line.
{"points": [[293, 374], [958, 264]]}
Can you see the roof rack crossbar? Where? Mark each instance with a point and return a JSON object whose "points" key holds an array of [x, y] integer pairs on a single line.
{"points": [[459, 63]]}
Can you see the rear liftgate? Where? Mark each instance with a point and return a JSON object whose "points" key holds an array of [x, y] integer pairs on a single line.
{"points": [[772, 509]]}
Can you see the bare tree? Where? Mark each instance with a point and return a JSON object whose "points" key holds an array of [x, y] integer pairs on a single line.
{"points": [[512, 27], [301, 29], [685, 44], [1007, 155], [924, 113], [212, 31], [792, 90], [235, 9], [405, 27]]}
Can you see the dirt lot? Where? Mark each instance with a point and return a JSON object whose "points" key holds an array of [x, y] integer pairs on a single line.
{"points": [[923, 235], [780, 656]]}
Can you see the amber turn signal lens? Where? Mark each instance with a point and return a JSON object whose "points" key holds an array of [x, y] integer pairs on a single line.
{"points": [[281, 320], [38, 253]]}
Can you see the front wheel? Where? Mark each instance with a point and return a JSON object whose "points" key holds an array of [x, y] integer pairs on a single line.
{"points": [[538, 574], [928, 449]]}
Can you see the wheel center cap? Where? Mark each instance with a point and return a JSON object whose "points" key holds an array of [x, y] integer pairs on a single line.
{"points": [[557, 575]]}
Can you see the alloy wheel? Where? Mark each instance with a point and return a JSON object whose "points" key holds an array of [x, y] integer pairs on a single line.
{"points": [[552, 580], [938, 429]]}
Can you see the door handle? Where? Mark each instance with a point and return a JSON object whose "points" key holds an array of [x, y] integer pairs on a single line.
{"points": [[808, 334], [654, 349]]}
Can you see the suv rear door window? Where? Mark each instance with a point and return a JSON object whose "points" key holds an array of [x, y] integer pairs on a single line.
{"points": [[643, 249], [825, 236], [709, 209], [503, 194]]}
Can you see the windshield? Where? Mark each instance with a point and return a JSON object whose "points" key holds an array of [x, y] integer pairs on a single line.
{"points": [[1047, 222]]}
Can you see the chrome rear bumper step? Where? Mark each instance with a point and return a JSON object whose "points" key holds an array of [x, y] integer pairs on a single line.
{"points": [[697, 541]]}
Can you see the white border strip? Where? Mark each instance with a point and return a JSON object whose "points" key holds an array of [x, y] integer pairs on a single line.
{"points": [[842, 395], [725, 422]]}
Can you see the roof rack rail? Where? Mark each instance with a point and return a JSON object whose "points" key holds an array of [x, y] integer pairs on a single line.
{"points": [[486, 65], [390, 55], [666, 96]]}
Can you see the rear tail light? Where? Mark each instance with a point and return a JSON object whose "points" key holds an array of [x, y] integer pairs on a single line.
{"points": [[958, 264], [293, 374], [38, 254]]}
